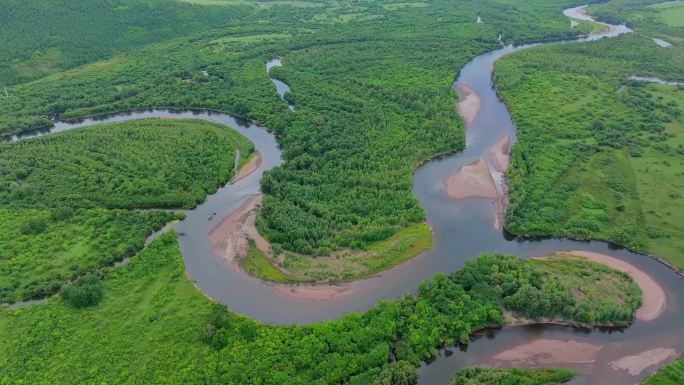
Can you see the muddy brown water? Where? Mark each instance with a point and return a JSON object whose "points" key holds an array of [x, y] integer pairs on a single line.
{"points": [[462, 230]]}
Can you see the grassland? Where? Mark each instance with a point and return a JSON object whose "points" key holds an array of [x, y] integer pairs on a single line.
{"points": [[152, 326], [145, 330], [41, 250], [594, 148], [341, 265], [670, 13], [659, 180], [672, 374]]}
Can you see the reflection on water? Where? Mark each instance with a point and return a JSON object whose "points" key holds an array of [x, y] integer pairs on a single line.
{"points": [[462, 230], [281, 87]]}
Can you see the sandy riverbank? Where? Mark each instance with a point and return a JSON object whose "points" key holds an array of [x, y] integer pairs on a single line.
{"points": [[636, 364], [314, 292], [249, 168], [469, 104], [499, 154], [654, 299], [548, 353], [473, 180], [229, 238]]}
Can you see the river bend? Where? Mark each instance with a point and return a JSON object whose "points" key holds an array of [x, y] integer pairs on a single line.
{"points": [[462, 230]]}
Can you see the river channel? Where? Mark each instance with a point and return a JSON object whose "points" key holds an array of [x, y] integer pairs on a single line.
{"points": [[462, 229]]}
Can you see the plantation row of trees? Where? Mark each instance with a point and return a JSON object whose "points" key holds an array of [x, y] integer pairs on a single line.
{"points": [[373, 99], [184, 338]]}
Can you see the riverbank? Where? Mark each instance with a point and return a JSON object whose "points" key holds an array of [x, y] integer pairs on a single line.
{"points": [[469, 104], [238, 243]]}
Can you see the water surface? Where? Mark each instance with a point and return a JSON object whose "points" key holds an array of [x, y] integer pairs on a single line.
{"points": [[462, 230]]}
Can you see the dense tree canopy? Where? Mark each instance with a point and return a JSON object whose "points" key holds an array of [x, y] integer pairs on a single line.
{"points": [[371, 82], [173, 334], [121, 165], [594, 147], [40, 37]]}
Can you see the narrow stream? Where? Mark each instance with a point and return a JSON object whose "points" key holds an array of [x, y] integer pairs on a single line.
{"points": [[281, 87], [462, 230]]}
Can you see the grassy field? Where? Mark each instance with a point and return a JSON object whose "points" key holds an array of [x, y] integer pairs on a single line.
{"points": [[147, 326], [41, 250], [659, 180], [598, 156], [671, 13], [672, 374], [343, 265], [256, 263]]}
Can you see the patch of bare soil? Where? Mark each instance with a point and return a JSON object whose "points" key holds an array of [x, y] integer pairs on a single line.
{"points": [[549, 352], [469, 104], [473, 180], [499, 154], [229, 238], [249, 168], [636, 364], [314, 292], [654, 299]]}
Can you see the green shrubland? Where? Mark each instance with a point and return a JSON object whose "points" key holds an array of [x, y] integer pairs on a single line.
{"points": [[373, 98], [489, 376], [153, 326], [597, 154]]}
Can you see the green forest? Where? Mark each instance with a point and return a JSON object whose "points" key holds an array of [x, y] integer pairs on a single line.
{"points": [[39, 37], [122, 165], [62, 196], [485, 376], [152, 326], [373, 99], [371, 81], [594, 148]]}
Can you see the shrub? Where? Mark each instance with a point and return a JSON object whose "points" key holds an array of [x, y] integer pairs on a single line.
{"points": [[85, 292]]}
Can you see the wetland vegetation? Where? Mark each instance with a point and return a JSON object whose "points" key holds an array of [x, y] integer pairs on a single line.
{"points": [[151, 325], [598, 155], [61, 196], [373, 100], [371, 82]]}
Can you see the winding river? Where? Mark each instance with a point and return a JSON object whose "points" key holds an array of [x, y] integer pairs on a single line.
{"points": [[462, 230]]}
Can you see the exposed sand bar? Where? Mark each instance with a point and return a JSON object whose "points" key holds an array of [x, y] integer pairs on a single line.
{"points": [[636, 364], [473, 180], [314, 292], [469, 104], [249, 168], [549, 352], [229, 238], [654, 298], [499, 154]]}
